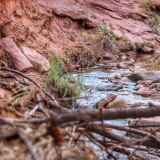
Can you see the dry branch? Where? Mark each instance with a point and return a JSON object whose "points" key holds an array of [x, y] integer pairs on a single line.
{"points": [[107, 114]]}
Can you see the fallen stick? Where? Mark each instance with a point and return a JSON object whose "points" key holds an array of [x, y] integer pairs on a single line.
{"points": [[106, 114]]}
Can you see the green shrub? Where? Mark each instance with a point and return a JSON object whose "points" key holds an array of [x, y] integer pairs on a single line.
{"points": [[63, 82], [108, 39]]}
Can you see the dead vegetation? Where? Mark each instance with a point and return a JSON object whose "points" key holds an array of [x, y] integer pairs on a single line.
{"points": [[34, 126]]}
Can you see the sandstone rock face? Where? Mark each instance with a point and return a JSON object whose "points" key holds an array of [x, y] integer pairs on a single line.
{"points": [[151, 76], [123, 17], [117, 33], [47, 21], [37, 60], [119, 103], [18, 58], [69, 8]]}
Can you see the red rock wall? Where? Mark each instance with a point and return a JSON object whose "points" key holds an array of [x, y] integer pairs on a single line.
{"points": [[46, 25]]}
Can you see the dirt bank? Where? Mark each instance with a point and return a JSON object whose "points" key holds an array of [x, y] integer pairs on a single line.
{"points": [[62, 26]]}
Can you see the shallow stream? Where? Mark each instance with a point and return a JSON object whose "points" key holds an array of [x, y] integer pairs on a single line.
{"points": [[97, 84]]}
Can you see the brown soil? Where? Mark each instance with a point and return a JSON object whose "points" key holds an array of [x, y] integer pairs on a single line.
{"points": [[62, 27]]}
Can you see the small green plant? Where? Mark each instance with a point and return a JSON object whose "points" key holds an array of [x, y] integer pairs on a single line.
{"points": [[125, 42], [91, 39], [63, 82], [108, 39], [92, 31]]}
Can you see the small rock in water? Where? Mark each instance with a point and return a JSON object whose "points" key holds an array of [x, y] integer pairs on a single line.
{"points": [[135, 105], [104, 101], [117, 77], [125, 79], [154, 104], [139, 86], [119, 103], [150, 76], [110, 87], [104, 78], [144, 83], [116, 82], [144, 92], [156, 86], [121, 65]]}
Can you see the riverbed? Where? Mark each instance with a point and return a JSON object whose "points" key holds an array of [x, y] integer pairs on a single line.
{"points": [[99, 81]]}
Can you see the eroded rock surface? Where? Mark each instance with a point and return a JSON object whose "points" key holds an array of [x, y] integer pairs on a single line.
{"points": [[24, 58], [46, 25], [124, 17], [37, 60], [18, 58]]}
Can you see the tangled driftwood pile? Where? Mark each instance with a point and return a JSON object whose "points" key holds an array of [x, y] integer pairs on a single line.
{"points": [[34, 126]]}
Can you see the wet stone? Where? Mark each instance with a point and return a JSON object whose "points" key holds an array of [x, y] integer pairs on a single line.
{"points": [[125, 79], [110, 87], [119, 103], [104, 101], [151, 76]]}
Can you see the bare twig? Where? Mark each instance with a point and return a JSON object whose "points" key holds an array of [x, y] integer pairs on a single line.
{"points": [[26, 142]]}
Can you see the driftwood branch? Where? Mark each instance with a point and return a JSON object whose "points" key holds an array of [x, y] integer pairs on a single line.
{"points": [[107, 114]]}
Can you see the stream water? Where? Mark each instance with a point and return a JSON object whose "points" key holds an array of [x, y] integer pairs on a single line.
{"points": [[97, 84]]}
